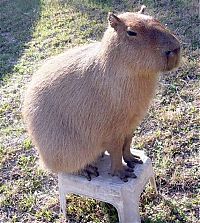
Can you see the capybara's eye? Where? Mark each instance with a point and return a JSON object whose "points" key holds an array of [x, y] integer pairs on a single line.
{"points": [[131, 33]]}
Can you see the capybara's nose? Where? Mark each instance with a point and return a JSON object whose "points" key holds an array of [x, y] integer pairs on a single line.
{"points": [[172, 52]]}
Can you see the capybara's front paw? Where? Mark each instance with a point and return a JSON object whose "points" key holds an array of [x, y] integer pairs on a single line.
{"points": [[132, 160], [124, 173]]}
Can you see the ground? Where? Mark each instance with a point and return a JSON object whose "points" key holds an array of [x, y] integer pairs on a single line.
{"points": [[33, 30]]}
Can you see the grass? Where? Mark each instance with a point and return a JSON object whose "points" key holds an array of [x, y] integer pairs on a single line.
{"points": [[33, 30]]}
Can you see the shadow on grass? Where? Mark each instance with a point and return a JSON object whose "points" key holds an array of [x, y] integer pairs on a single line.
{"points": [[18, 19], [83, 209]]}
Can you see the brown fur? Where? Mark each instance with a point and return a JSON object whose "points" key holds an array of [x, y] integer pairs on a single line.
{"points": [[90, 98]]}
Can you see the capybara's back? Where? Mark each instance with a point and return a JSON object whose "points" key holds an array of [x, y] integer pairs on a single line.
{"points": [[58, 108], [90, 98]]}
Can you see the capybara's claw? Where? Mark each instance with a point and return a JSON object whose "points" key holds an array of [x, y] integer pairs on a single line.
{"points": [[88, 171], [124, 174], [133, 160]]}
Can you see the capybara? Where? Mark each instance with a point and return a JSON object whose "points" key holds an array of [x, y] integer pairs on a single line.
{"points": [[89, 99]]}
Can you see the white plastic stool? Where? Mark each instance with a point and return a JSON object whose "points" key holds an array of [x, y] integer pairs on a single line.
{"points": [[123, 196]]}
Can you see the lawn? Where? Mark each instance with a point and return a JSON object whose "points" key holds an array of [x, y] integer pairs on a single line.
{"points": [[33, 30]]}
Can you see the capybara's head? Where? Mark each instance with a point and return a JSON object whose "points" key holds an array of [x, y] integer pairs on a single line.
{"points": [[142, 42]]}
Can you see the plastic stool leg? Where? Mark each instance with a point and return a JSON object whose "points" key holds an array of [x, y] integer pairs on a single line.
{"points": [[62, 196], [129, 212], [153, 183]]}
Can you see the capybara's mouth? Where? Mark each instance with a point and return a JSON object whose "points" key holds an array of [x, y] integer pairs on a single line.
{"points": [[172, 59]]}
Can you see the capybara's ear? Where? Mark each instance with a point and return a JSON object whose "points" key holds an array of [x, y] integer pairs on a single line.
{"points": [[142, 9], [113, 20]]}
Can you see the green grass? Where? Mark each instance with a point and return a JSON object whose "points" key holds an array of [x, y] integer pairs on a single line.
{"points": [[33, 30]]}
